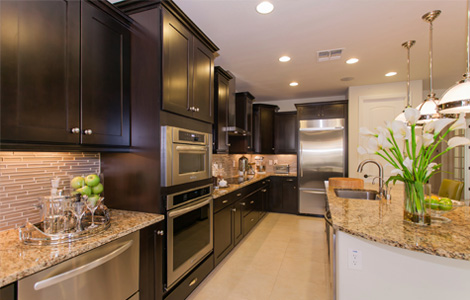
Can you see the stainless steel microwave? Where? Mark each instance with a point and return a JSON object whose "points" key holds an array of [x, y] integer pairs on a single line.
{"points": [[186, 155]]}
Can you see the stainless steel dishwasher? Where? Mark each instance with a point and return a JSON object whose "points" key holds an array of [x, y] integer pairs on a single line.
{"points": [[110, 271], [331, 242]]}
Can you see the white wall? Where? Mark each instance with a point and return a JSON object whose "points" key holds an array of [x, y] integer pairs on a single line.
{"points": [[289, 105], [357, 96]]}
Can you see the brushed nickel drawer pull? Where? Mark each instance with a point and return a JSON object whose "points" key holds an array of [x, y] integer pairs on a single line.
{"points": [[193, 282], [225, 201], [251, 202], [239, 194], [252, 220], [243, 203], [234, 209], [289, 180]]}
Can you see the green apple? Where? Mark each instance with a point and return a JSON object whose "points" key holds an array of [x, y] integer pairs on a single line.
{"points": [[97, 189], [86, 190], [446, 204], [92, 180], [77, 182]]}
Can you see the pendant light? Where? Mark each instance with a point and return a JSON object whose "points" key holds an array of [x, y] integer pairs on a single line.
{"points": [[457, 98], [407, 45], [428, 109]]}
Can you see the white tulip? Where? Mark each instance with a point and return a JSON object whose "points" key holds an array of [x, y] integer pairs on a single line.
{"points": [[429, 127], [383, 142], [373, 145], [361, 150], [457, 141], [399, 128], [412, 115], [408, 163], [441, 124], [460, 123], [428, 139], [366, 132], [395, 172], [430, 168]]}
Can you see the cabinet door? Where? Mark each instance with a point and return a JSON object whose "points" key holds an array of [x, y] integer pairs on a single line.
{"points": [[263, 129], [177, 62], [151, 262], [105, 60], [39, 66], [203, 78], [331, 111], [290, 203], [238, 222], [221, 103], [285, 133], [275, 201], [223, 233], [249, 125]]}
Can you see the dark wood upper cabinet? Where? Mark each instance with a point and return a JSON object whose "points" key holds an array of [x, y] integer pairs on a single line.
{"points": [[64, 74], [105, 79], [177, 65], [285, 132], [188, 72], [39, 71], [322, 110], [221, 101], [263, 128]]}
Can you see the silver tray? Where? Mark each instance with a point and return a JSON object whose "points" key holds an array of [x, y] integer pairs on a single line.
{"points": [[33, 234]]}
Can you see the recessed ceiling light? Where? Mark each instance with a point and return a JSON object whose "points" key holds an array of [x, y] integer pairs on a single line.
{"points": [[284, 58], [294, 83], [391, 74], [352, 61], [264, 7]]}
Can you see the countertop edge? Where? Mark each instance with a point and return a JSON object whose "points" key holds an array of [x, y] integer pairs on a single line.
{"points": [[83, 246]]}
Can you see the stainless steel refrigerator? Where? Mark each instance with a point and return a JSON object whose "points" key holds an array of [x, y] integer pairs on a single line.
{"points": [[322, 155]]}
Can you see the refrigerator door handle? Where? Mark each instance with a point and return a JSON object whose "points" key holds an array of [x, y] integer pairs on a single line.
{"points": [[301, 160]]}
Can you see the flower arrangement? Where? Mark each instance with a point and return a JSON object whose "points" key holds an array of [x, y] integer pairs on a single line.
{"points": [[413, 162]]}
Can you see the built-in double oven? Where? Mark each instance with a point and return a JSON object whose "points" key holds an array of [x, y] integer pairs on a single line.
{"points": [[186, 156], [189, 230], [187, 193]]}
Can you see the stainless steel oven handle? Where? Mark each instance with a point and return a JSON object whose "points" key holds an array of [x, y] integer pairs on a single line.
{"points": [[77, 271], [186, 209], [191, 148]]}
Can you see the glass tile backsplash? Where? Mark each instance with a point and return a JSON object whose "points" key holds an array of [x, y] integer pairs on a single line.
{"points": [[25, 176]]}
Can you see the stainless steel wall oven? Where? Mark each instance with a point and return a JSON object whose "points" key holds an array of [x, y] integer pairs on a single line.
{"points": [[186, 155], [189, 230]]}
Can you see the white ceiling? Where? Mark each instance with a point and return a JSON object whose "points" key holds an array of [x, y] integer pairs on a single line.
{"points": [[371, 30]]}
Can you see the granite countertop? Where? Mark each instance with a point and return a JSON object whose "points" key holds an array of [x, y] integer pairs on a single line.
{"points": [[257, 177], [382, 221], [18, 260]]}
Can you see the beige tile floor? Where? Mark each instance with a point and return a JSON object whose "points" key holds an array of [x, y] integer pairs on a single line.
{"points": [[283, 257]]}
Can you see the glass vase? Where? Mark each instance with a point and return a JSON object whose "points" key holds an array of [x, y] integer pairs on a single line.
{"points": [[414, 210]]}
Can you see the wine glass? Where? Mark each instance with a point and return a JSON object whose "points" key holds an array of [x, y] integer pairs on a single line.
{"points": [[78, 210], [92, 203]]}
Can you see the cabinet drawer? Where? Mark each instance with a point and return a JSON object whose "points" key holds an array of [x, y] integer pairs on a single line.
{"points": [[224, 201], [250, 203], [249, 221]]}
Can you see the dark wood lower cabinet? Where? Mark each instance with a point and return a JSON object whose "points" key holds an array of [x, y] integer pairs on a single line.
{"points": [[224, 232], [284, 195], [8, 292], [151, 262]]}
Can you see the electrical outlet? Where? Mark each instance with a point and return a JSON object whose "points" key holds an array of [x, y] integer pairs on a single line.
{"points": [[270, 162], [354, 259], [275, 161], [233, 164]]}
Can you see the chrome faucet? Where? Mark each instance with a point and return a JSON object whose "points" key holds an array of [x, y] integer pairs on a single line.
{"points": [[382, 192]]}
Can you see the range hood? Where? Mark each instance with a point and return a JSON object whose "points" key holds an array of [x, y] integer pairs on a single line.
{"points": [[231, 127]]}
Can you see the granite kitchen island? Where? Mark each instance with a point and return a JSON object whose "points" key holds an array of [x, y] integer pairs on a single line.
{"points": [[378, 256]]}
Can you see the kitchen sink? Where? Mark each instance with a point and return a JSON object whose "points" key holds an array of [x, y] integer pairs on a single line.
{"points": [[357, 194]]}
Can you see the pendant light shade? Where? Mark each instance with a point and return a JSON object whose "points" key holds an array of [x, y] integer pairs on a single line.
{"points": [[429, 108], [457, 98], [407, 45]]}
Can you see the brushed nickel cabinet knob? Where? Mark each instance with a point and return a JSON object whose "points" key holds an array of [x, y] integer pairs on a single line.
{"points": [[160, 232], [88, 132], [75, 130]]}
